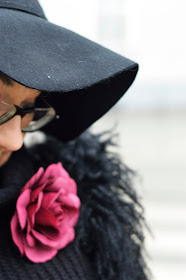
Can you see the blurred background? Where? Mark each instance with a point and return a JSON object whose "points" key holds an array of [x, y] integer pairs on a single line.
{"points": [[151, 118]]}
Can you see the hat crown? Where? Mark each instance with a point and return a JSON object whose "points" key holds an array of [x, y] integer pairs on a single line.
{"points": [[29, 6]]}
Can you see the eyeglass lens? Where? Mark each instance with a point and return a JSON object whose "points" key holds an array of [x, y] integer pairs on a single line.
{"points": [[30, 121]]}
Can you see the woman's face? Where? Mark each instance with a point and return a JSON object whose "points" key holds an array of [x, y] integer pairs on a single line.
{"points": [[11, 136]]}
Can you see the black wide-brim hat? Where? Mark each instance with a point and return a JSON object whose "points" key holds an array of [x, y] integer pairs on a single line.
{"points": [[81, 79]]}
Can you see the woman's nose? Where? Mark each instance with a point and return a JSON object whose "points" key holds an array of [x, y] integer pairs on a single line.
{"points": [[11, 136]]}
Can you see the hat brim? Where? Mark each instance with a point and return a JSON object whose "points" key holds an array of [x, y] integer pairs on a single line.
{"points": [[87, 78]]}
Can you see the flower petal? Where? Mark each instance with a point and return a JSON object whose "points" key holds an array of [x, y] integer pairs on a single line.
{"points": [[49, 199], [44, 239], [49, 232], [67, 237], [30, 240], [70, 219], [45, 218], [70, 200], [39, 253], [33, 208], [34, 179], [55, 185], [36, 191], [57, 209], [72, 186], [62, 184], [22, 203], [54, 170], [17, 234]]}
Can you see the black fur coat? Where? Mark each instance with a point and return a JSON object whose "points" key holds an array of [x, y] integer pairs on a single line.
{"points": [[109, 230]]}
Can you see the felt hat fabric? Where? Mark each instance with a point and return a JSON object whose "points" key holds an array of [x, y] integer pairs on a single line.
{"points": [[81, 79]]}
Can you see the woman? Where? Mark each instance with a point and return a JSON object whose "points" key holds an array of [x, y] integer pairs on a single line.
{"points": [[68, 210]]}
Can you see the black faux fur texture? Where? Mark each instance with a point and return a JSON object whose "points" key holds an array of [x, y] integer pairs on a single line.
{"points": [[110, 228]]}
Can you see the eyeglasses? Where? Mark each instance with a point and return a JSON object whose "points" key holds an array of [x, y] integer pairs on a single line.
{"points": [[32, 118]]}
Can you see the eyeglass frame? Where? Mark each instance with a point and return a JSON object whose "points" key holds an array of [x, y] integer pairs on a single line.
{"points": [[22, 112]]}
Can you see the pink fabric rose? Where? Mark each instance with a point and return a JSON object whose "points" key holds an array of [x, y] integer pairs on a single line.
{"points": [[46, 212]]}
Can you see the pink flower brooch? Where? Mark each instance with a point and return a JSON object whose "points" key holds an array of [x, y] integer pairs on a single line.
{"points": [[46, 212]]}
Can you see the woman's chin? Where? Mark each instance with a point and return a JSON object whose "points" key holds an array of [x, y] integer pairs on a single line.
{"points": [[4, 157]]}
